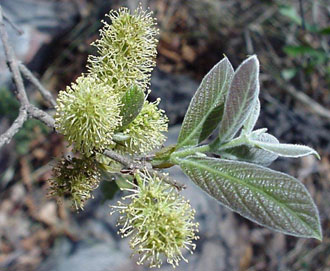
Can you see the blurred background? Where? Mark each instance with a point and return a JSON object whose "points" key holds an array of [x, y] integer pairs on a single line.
{"points": [[291, 39]]}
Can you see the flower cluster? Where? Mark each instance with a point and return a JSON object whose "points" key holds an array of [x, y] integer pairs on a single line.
{"points": [[145, 131], [159, 221], [87, 114], [127, 49], [75, 178], [108, 108]]}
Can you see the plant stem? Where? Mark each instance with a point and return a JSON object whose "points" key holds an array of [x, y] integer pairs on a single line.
{"points": [[190, 151], [234, 143]]}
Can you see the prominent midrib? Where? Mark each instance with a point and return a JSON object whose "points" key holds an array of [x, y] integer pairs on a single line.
{"points": [[201, 123], [252, 188]]}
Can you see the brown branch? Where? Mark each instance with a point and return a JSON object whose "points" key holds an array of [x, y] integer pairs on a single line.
{"points": [[13, 25], [12, 63], [14, 128], [41, 115], [300, 96], [131, 165], [26, 108], [44, 92]]}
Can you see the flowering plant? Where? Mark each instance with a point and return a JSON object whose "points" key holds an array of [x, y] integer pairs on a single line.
{"points": [[114, 129]]}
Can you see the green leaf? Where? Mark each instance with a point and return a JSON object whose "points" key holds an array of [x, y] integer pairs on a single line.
{"points": [[209, 98], [132, 102], [241, 98], [288, 74], [252, 119], [120, 137], [296, 51], [291, 13], [325, 31], [211, 122], [267, 197], [252, 154], [285, 150]]}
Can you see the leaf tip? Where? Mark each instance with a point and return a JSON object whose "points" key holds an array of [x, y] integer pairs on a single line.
{"points": [[253, 58], [318, 235], [317, 155]]}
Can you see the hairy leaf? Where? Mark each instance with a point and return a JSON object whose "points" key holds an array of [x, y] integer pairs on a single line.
{"points": [[211, 122], [209, 96], [132, 102], [267, 197], [285, 150], [252, 119], [241, 97], [252, 154]]}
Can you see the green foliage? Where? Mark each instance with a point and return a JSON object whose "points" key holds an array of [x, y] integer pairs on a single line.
{"points": [[247, 152], [208, 98], [241, 97], [107, 108], [269, 198], [303, 49], [132, 103]]}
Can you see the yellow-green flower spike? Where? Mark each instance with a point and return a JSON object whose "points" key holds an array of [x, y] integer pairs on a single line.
{"points": [[127, 49], [75, 179], [87, 114], [146, 130], [159, 221]]}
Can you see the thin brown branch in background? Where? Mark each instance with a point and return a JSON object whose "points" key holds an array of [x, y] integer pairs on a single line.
{"points": [[15, 127], [41, 115], [12, 63], [26, 108], [31, 77], [301, 97], [13, 25]]}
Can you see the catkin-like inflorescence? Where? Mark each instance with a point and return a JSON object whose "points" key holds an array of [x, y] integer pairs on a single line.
{"points": [[75, 179], [127, 49], [159, 221], [87, 114], [146, 130]]}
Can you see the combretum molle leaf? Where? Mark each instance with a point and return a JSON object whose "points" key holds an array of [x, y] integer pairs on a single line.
{"points": [[252, 154], [267, 197], [285, 150], [132, 103], [252, 119], [208, 98], [241, 98]]}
